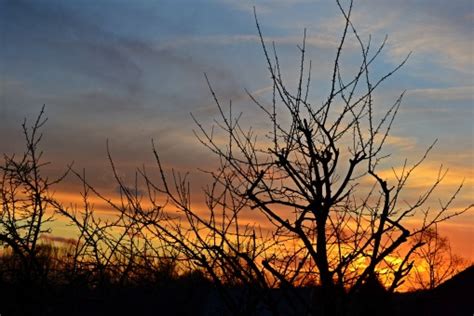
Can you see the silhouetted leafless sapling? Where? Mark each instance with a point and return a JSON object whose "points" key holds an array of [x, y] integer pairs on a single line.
{"points": [[436, 261], [26, 204], [308, 176]]}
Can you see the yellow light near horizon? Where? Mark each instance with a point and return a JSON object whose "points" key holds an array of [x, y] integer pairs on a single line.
{"points": [[249, 217]]}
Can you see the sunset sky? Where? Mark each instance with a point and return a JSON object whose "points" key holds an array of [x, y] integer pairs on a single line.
{"points": [[132, 71]]}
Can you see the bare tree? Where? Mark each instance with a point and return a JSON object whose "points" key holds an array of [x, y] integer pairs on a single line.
{"points": [[436, 261], [315, 177], [115, 249], [26, 202]]}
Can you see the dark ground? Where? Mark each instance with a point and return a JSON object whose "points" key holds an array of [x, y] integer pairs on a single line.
{"points": [[195, 296]]}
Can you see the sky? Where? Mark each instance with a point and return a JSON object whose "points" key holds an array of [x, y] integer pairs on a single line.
{"points": [[132, 71]]}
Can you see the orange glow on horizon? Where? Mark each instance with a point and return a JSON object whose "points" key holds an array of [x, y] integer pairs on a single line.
{"points": [[458, 232]]}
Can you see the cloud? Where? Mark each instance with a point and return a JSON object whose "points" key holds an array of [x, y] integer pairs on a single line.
{"points": [[465, 93], [264, 6], [48, 36], [427, 173], [437, 32], [401, 143], [439, 45], [317, 41]]}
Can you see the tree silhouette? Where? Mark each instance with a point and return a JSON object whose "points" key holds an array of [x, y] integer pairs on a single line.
{"points": [[436, 262], [26, 204], [332, 236], [308, 177]]}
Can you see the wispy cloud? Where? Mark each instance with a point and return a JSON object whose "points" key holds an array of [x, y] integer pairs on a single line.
{"points": [[439, 44], [317, 41], [465, 93], [264, 6]]}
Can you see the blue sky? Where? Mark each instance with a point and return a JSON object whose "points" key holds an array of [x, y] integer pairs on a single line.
{"points": [[130, 71]]}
